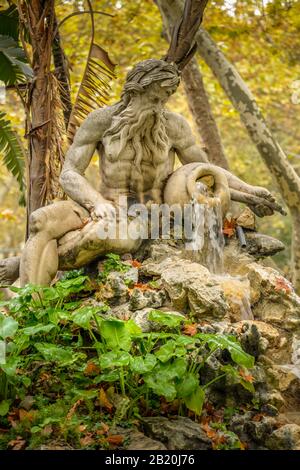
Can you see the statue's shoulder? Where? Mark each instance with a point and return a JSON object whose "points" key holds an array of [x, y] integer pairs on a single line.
{"points": [[176, 125], [101, 116], [95, 125]]}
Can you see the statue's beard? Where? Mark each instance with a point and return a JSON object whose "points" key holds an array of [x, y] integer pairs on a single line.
{"points": [[145, 130]]}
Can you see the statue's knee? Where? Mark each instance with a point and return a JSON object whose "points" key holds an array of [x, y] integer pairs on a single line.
{"points": [[38, 221]]}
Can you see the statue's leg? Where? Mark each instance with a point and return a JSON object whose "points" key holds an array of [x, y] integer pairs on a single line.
{"points": [[39, 260]]}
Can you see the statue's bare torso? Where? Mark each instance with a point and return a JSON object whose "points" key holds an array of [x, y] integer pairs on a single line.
{"points": [[120, 175], [119, 172]]}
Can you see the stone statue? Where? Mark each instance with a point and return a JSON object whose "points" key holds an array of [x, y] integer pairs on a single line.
{"points": [[137, 140]]}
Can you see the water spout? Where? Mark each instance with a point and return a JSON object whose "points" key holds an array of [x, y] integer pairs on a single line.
{"points": [[207, 242]]}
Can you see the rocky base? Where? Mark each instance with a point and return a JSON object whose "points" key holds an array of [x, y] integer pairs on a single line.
{"points": [[254, 303]]}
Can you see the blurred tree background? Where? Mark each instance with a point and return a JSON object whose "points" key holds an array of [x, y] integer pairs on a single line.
{"points": [[260, 37]]}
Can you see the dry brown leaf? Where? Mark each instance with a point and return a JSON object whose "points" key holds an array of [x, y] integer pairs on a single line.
{"points": [[104, 401], [103, 431], [115, 439], [245, 376], [91, 369], [87, 440], [229, 227], [73, 409], [17, 444], [26, 415], [190, 330], [135, 263]]}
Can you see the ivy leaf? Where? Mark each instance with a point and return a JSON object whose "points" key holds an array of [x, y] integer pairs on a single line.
{"points": [[114, 359], [10, 367], [8, 326], [111, 376], [115, 334], [238, 355], [195, 401], [188, 385], [33, 330], [167, 319], [62, 355], [142, 365], [162, 387], [83, 316], [4, 407], [169, 350]]}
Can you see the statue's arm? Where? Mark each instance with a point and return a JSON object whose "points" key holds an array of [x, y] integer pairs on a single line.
{"points": [[78, 157], [184, 142]]}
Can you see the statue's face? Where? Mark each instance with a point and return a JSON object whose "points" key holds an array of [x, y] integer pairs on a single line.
{"points": [[158, 93]]}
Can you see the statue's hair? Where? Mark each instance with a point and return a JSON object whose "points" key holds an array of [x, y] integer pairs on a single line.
{"points": [[147, 72]]}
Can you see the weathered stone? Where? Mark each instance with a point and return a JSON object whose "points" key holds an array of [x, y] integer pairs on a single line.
{"points": [[190, 286], [287, 437], [140, 299], [273, 398], [259, 431], [260, 245], [246, 219], [115, 282], [138, 441], [178, 433]]}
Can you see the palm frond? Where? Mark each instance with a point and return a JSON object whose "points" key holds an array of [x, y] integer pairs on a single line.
{"points": [[9, 22], [182, 45], [93, 92], [12, 150], [13, 66]]}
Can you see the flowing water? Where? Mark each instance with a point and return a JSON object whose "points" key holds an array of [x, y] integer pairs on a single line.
{"points": [[207, 245], [207, 240]]}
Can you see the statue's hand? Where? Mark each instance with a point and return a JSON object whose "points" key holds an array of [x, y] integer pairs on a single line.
{"points": [[103, 210]]}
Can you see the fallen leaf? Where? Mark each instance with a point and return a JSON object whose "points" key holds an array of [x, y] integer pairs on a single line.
{"points": [[82, 427], [17, 444], [104, 430], [47, 430], [229, 227], [26, 415], [258, 417], [245, 376], [104, 401], [91, 369], [135, 263], [87, 440], [115, 439], [190, 330], [73, 409]]}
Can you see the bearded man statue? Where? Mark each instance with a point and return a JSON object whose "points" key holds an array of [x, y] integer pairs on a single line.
{"points": [[137, 140]]}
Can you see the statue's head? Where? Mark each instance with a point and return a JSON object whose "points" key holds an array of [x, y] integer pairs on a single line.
{"points": [[158, 78]]}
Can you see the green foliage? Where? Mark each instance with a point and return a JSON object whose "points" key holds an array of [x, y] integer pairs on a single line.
{"points": [[9, 22], [12, 150], [13, 64], [53, 332], [113, 262]]}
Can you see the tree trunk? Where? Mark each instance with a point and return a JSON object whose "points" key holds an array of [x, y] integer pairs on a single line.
{"points": [[197, 98], [284, 174], [272, 154], [200, 107], [44, 112]]}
